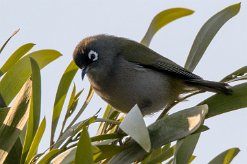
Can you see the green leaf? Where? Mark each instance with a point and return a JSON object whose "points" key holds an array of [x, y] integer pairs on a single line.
{"points": [[109, 113], [185, 148], [102, 126], [207, 33], [21, 71], [34, 113], [61, 95], [74, 98], [71, 100], [173, 127], [14, 33], [106, 151], [100, 152], [14, 155], [36, 141], [220, 103], [49, 156], [73, 130], [3, 114], [73, 103], [134, 125], [84, 106], [151, 156], [240, 74], [36, 94], [66, 157], [84, 154], [70, 109], [225, 157], [162, 19], [15, 120], [106, 137], [23, 133], [20, 52], [191, 159], [161, 155]]}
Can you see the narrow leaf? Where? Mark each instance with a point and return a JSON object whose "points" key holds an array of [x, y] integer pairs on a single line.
{"points": [[14, 33], [161, 156], [185, 148], [14, 155], [84, 106], [151, 156], [34, 114], [207, 33], [225, 157], [49, 156], [220, 103], [61, 95], [21, 71], [162, 19], [72, 107], [66, 157], [73, 130], [3, 114], [15, 121], [84, 154], [100, 152], [240, 74], [173, 127], [109, 113], [71, 100], [105, 151], [20, 52], [134, 125], [36, 141], [192, 158], [106, 137]]}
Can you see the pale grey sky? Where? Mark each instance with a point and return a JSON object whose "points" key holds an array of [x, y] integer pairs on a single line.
{"points": [[61, 24]]}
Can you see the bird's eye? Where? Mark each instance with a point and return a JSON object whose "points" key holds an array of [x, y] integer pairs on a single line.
{"points": [[92, 55]]}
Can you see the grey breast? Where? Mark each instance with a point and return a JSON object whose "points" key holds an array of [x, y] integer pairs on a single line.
{"points": [[129, 84]]}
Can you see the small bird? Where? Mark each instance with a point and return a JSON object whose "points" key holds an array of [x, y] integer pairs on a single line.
{"points": [[125, 73]]}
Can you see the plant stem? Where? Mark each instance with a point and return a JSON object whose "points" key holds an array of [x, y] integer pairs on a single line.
{"points": [[108, 121], [167, 108]]}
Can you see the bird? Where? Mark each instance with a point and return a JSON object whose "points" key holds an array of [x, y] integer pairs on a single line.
{"points": [[124, 73]]}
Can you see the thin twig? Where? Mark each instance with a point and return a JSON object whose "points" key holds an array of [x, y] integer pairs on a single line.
{"points": [[167, 108], [64, 147], [73, 145]]}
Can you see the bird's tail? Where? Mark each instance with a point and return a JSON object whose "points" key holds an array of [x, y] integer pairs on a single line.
{"points": [[211, 86]]}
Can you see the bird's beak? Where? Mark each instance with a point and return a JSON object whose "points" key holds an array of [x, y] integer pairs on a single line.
{"points": [[84, 71]]}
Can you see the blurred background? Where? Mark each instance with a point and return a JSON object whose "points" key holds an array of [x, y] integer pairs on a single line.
{"points": [[61, 24]]}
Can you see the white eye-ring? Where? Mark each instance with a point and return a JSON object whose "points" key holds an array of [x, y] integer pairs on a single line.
{"points": [[92, 55]]}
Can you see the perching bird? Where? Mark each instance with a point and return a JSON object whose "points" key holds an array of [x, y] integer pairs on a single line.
{"points": [[125, 73]]}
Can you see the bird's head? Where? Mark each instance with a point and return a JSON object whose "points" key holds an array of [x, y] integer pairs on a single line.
{"points": [[95, 52]]}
